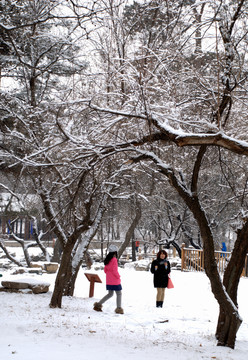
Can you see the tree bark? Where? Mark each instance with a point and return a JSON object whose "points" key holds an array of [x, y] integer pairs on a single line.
{"points": [[131, 229], [225, 332], [63, 275], [57, 251], [190, 197], [233, 320], [73, 254], [71, 279], [227, 307]]}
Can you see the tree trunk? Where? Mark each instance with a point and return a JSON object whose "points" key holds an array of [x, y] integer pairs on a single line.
{"points": [[227, 306], [228, 326], [63, 276], [57, 251], [225, 331], [177, 247], [71, 279], [133, 250], [74, 267], [131, 229]]}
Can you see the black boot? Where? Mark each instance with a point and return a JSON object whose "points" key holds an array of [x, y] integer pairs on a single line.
{"points": [[157, 303], [161, 304]]}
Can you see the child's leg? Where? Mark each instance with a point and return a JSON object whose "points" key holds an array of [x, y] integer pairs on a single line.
{"points": [[106, 297], [118, 298]]}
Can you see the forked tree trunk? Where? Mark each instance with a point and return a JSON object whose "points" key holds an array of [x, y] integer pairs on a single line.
{"points": [[72, 277], [63, 276], [226, 329], [228, 307], [68, 271], [74, 267], [228, 325], [73, 253], [232, 320]]}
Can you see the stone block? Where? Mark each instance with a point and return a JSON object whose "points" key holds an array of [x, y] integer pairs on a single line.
{"points": [[36, 265], [15, 285], [40, 288], [51, 268], [37, 287]]}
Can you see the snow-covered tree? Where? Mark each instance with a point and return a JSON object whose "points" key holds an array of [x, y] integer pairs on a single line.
{"points": [[181, 103], [170, 98], [38, 126]]}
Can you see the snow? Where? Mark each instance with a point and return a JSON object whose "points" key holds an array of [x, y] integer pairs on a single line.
{"points": [[30, 281], [32, 330]]}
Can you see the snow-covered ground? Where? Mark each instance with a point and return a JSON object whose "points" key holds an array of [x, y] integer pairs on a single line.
{"points": [[31, 330]]}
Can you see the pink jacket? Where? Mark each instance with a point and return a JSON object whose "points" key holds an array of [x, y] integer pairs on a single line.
{"points": [[112, 274]]}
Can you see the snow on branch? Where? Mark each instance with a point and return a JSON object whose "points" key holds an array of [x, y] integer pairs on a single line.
{"points": [[179, 137]]}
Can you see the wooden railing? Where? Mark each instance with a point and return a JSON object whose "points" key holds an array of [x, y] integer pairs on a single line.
{"points": [[193, 260]]}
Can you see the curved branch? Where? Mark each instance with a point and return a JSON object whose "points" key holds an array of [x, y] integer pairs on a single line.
{"points": [[180, 138]]}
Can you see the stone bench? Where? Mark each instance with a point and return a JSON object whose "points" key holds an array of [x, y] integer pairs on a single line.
{"points": [[25, 285], [49, 267]]}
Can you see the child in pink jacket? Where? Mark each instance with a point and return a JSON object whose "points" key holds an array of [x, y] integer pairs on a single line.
{"points": [[113, 281]]}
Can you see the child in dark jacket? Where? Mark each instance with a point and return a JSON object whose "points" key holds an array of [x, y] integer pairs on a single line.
{"points": [[161, 269]]}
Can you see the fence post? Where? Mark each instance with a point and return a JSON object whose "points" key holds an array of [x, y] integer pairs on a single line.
{"points": [[182, 257]]}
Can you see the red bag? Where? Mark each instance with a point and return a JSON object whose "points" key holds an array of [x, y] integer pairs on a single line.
{"points": [[170, 283]]}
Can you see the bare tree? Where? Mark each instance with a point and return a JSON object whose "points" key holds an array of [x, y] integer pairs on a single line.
{"points": [[192, 107], [166, 115]]}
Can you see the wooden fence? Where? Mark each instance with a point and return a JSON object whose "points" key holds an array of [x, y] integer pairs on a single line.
{"points": [[193, 260]]}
